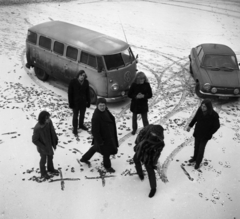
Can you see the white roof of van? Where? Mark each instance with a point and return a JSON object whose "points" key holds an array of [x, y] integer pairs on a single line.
{"points": [[89, 40]]}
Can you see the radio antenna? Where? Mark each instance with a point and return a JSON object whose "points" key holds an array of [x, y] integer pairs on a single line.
{"points": [[122, 28]]}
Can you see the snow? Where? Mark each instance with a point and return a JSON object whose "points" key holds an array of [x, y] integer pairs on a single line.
{"points": [[162, 34]]}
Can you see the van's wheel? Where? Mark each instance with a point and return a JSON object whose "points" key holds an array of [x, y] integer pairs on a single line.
{"points": [[41, 74], [93, 96], [190, 68], [197, 90]]}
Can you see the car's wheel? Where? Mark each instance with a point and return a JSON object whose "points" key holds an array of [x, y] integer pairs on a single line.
{"points": [[190, 68], [197, 91], [41, 74], [93, 96]]}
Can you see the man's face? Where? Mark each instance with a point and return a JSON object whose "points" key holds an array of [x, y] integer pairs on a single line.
{"points": [[102, 107], [81, 77], [203, 107], [47, 119]]}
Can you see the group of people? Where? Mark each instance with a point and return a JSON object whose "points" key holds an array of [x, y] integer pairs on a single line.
{"points": [[149, 142]]}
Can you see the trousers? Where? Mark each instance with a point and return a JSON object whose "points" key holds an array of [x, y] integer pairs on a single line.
{"points": [[134, 121]]}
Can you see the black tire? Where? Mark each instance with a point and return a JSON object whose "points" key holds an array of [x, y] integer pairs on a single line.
{"points": [[197, 91], [93, 96], [190, 69], [41, 74]]}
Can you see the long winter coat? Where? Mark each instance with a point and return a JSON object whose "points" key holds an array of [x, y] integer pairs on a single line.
{"points": [[45, 138], [206, 125], [104, 132], [78, 95], [139, 106]]}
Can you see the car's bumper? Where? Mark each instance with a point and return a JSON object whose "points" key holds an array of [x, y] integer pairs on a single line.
{"points": [[219, 95], [114, 99]]}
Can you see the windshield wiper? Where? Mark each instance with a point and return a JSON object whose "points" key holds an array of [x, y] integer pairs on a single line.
{"points": [[212, 68], [227, 68]]}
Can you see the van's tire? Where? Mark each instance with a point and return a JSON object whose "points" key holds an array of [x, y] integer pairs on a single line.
{"points": [[190, 69], [93, 96], [41, 74], [197, 91]]}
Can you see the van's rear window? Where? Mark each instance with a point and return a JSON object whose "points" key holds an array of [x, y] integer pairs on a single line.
{"points": [[32, 37], [45, 42]]}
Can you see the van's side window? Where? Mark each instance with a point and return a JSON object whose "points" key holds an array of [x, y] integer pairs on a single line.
{"points": [[45, 42], [32, 37], [72, 53], [58, 48], [84, 58], [88, 59]]}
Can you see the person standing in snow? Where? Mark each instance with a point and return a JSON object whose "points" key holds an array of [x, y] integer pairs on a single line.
{"points": [[149, 145], [207, 123], [79, 100], [104, 133], [45, 138], [140, 91]]}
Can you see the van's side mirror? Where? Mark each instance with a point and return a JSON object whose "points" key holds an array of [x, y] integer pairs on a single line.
{"points": [[137, 58]]}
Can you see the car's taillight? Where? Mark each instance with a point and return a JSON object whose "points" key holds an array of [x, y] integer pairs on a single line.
{"points": [[214, 90], [236, 91], [206, 86]]}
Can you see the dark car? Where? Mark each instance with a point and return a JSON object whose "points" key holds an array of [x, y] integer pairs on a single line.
{"points": [[215, 70]]}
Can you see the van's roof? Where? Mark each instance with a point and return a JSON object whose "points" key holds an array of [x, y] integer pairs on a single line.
{"points": [[88, 40]]}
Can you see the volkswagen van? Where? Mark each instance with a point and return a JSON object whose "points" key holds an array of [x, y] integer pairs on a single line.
{"points": [[61, 49]]}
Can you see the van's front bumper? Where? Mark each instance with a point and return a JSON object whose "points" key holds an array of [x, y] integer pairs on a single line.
{"points": [[116, 99]]}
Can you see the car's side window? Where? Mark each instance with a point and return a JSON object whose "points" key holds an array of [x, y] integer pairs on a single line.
{"points": [[58, 48], [72, 53], [45, 42], [200, 55], [32, 37], [198, 49]]}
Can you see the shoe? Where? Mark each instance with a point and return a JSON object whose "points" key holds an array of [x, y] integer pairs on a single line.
{"points": [[133, 132], [141, 176], [28, 66], [45, 176], [85, 161], [53, 171], [152, 193], [110, 170], [75, 132], [196, 166], [83, 127], [192, 160]]}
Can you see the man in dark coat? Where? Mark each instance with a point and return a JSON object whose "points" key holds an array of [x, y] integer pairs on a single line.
{"points": [[45, 138], [140, 91], [79, 99], [149, 145], [104, 133], [207, 123]]}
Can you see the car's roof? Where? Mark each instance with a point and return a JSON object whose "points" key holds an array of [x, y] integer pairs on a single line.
{"points": [[89, 40], [212, 48]]}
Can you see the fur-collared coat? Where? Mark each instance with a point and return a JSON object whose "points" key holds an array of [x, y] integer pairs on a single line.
{"points": [[45, 138], [104, 132]]}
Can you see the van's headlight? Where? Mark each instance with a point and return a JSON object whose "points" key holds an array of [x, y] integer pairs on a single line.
{"points": [[236, 91], [206, 86], [214, 90], [115, 87]]}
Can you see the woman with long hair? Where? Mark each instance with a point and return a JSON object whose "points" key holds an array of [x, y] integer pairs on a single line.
{"points": [[140, 91]]}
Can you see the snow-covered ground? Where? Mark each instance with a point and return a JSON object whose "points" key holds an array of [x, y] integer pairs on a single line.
{"points": [[162, 33]]}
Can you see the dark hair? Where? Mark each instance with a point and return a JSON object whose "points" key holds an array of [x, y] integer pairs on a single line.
{"points": [[42, 117], [81, 72], [209, 106]]}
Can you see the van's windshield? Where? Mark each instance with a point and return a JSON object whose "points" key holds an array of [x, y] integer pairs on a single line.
{"points": [[119, 60]]}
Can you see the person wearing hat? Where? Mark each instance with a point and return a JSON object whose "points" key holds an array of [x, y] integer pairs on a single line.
{"points": [[45, 138], [207, 123], [79, 100], [149, 145], [104, 133]]}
